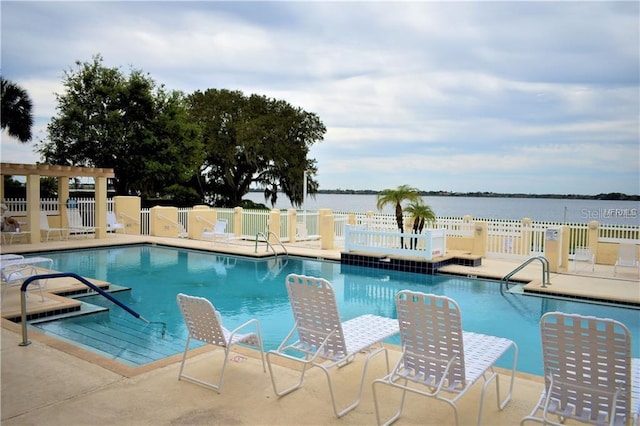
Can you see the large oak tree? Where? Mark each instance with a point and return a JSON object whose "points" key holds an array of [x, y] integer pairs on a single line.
{"points": [[254, 140]]}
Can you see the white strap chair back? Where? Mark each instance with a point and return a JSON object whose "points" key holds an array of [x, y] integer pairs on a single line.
{"points": [[204, 323], [315, 312], [436, 350], [587, 365], [440, 360], [202, 320], [323, 340]]}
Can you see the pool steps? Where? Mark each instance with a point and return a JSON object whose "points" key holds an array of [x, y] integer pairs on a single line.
{"points": [[85, 308]]}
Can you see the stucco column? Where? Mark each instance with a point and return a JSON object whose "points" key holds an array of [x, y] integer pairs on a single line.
{"points": [[163, 221], [237, 221], [326, 223], [201, 217], [479, 247], [274, 225], [553, 248], [564, 253], [127, 209]]}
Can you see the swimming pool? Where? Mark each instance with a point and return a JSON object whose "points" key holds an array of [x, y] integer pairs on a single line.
{"points": [[243, 288]]}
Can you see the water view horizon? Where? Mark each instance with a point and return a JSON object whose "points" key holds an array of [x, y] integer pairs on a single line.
{"points": [[613, 212]]}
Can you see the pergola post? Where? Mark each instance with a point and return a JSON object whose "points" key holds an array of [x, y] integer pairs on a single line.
{"points": [[33, 207]]}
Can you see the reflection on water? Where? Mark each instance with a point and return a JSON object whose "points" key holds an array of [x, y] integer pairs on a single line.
{"points": [[243, 288]]}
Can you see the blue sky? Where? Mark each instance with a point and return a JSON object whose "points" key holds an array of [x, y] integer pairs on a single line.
{"points": [[530, 97]]}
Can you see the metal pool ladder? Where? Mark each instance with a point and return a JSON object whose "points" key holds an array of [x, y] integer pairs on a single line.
{"points": [[545, 271], [265, 237]]}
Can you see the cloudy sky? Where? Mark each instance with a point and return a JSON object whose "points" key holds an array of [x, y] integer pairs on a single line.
{"points": [[531, 97]]}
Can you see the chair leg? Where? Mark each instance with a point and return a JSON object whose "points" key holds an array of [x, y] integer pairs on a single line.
{"points": [[273, 381], [184, 357], [181, 376], [396, 416], [356, 402]]}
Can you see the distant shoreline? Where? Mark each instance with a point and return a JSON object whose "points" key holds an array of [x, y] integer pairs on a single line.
{"points": [[612, 196]]}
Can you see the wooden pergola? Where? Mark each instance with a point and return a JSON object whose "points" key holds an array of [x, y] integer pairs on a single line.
{"points": [[34, 172]]}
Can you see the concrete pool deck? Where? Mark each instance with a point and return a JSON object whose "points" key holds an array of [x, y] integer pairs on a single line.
{"points": [[48, 382]]}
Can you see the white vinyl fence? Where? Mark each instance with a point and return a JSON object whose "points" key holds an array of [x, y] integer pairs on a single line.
{"points": [[505, 238]]}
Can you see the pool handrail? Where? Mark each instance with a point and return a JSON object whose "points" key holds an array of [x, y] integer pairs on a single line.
{"points": [[30, 279], [269, 245], [545, 271]]}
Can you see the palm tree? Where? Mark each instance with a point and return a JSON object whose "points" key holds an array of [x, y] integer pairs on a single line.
{"points": [[397, 197], [421, 214], [16, 110]]}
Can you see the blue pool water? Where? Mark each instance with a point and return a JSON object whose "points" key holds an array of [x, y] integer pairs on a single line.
{"points": [[244, 288]]}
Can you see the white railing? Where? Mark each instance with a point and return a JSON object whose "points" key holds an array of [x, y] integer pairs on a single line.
{"points": [[505, 238], [428, 245], [311, 222], [340, 222], [254, 221], [455, 227], [619, 234]]}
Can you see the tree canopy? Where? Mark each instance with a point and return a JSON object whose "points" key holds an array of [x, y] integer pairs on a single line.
{"points": [[125, 122], [254, 140], [16, 114], [209, 146]]}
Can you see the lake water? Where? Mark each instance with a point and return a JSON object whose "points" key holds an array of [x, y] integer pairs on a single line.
{"points": [[538, 209]]}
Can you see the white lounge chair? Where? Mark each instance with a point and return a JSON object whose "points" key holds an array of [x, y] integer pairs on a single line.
{"points": [[218, 231], [10, 236], [439, 359], [113, 224], [588, 372], [44, 227], [627, 257], [205, 324], [323, 340], [14, 269], [11, 256], [584, 255], [75, 224]]}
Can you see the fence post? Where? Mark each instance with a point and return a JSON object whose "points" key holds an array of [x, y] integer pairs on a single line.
{"points": [[593, 231], [525, 236], [369, 215]]}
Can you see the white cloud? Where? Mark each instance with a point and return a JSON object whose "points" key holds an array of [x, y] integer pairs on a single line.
{"points": [[536, 97]]}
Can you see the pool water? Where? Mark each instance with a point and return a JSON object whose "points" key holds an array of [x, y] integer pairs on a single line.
{"points": [[244, 288]]}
